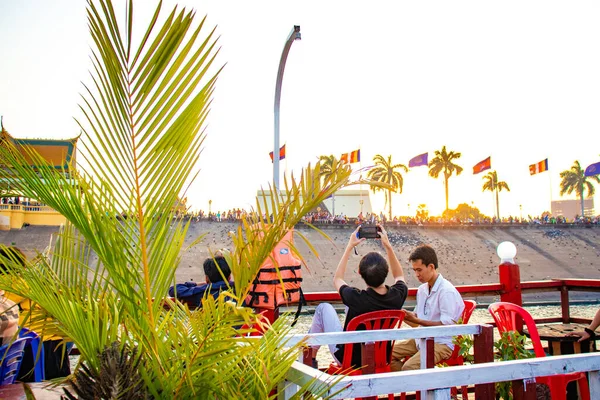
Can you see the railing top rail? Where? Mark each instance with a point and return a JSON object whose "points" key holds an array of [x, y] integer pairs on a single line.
{"points": [[437, 378], [492, 288], [592, 283], [384, 334]]}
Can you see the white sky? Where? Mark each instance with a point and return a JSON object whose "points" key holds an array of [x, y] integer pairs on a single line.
{"points": [[516, 80]]}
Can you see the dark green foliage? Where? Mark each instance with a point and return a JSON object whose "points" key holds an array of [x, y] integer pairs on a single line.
{"points": [[510, 346], [118, 377]]}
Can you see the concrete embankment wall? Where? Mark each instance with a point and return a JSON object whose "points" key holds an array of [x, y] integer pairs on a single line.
{"points": [[467, 255]]}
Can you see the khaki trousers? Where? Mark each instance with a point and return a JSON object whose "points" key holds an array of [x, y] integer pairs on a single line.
{"points": [[408, 348]]}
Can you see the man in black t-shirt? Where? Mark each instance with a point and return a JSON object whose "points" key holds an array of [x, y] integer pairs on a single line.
{"points": [[373, 268]]}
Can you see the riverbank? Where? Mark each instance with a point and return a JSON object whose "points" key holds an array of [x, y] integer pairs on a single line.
{"points": [[467, 255]]}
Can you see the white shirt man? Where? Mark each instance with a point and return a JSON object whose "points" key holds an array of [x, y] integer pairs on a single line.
{"points": [[438, 303]]}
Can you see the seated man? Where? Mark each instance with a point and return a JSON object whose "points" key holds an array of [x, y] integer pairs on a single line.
{"points": [[56, 361], [9, 319], [438, 303], [590, 331], [218, 278], [373, 268]]}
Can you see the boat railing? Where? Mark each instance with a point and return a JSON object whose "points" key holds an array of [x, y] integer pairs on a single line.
{"points": [[506, 288], [483, 374]]}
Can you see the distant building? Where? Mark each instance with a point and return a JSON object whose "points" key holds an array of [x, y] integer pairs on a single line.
{"points": [[571, 208], [19, 211], [347, 202], [350, 203]]}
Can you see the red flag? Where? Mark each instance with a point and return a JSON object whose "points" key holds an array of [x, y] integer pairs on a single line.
{"points": [[281, 153], [482, 165]]}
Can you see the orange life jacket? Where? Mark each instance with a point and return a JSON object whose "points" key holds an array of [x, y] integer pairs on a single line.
{"points": [[268, 291]]}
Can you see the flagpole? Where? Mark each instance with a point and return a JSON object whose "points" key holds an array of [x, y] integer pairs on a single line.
{"points": [[286, 163], [360, 201], [550, 182]]}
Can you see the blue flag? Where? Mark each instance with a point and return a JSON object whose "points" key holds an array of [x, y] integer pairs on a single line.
{"points": [[419, 160], [592, 169]]}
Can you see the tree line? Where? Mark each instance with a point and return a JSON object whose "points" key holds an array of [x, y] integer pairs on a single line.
{"points": [[444, 164]]}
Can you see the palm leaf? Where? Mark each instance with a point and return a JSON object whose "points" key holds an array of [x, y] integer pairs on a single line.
{"points": [[103, 277]]}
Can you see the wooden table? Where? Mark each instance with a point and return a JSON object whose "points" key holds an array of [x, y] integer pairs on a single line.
{"points": [[558, 341], [41, 391]]}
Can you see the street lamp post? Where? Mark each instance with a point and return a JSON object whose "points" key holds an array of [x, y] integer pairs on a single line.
{"points": [[521, 209], [294, 35]]}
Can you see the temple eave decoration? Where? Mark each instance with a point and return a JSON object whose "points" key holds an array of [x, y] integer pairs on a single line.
{"points": [[60, 153]]}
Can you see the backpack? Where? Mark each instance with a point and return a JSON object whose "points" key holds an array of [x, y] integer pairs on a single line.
{"points": [[267, 291]]}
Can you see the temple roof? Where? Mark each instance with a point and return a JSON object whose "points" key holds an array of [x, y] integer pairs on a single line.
{"points": [[58, 153]]}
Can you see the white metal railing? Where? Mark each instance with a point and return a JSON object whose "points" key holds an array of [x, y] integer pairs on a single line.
{"points": [[428, 380], [27, 208]]}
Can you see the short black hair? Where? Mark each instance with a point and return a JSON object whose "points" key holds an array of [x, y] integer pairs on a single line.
{"points": [[212, 267], [426, 254], [373, 268], [12, 255]]}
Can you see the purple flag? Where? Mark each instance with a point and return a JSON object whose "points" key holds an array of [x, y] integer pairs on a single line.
{"points": [[419, 160], [592, 169]]}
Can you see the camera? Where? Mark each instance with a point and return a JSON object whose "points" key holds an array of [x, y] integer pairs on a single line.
{"points": [[369, 232]]}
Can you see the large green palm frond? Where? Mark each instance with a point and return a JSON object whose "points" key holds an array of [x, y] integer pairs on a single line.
{"points": [[142, 131], [103, 279], [143, 121], [256, 236]]}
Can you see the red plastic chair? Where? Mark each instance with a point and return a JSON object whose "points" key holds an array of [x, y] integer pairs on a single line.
{"points": [[506, 315], [384, 319], [455, 358], [258, 329]]}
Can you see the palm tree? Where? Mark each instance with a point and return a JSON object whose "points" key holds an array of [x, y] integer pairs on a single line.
{"points": [[328, 165], [492, 184], [386, 172], [574, 179], [142, 130], [442, 162]]}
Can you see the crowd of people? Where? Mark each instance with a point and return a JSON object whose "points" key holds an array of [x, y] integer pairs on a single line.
{"points": [[323, 217]]}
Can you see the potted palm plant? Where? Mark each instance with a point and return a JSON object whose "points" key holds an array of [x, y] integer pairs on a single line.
{"points": [[103, 278]]}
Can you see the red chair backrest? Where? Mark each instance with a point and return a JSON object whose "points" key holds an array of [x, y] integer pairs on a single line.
{"points": [[258, 328], [465, 317], [469, 307], [383, 319], [507, 316]]}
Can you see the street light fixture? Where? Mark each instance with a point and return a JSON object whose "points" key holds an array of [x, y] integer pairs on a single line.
{"points": [[521, 209], [294, 35]]}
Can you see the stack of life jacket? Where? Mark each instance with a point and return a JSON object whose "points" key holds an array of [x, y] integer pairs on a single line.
{"points": [[272, 289]]}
